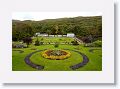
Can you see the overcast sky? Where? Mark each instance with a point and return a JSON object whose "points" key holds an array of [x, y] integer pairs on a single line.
{"points": [[49, 15]]}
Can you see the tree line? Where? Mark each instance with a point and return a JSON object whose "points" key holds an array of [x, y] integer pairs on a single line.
{"points": [[81, 26]]}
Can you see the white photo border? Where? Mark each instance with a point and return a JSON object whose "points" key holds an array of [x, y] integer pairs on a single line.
{"points": [[104, 76]]}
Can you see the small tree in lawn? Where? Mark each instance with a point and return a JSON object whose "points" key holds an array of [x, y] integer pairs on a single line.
{"points": [[62, 31], [27, 40], [37, 43], [56, 45], [48, 32], [56, 30]]}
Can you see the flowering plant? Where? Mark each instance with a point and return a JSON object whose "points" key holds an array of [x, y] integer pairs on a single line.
{"points": [[56, 54]]}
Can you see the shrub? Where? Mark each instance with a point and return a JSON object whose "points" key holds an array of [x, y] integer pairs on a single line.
{"points": [[89, 45], [97, 43], [74, 42], [41, 43], [56, 45], [37, 43], [27, 40], [19, 46], [33, 49], [77, 48], [60, 39], [41, 39], [86, 39]]}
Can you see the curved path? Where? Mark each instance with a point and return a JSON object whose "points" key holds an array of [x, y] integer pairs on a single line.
{"points": [[40, 67], [81, 64], [20, 51], [91, 50], [28, 61]]}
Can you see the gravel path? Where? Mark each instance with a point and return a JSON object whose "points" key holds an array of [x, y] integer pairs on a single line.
{"points": [[28, 61], [84, 62]]}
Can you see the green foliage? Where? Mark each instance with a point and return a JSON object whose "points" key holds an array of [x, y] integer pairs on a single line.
{"points": [[56, 45], [98, 43], [41, 43], [37, 43], [41, 39], [60, 39], [21, 30], [74, 42], [27, 40], [81, 26], [94, 64]]}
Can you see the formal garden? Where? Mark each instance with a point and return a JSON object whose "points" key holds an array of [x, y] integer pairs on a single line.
{"points": [[55, 49], [56, 56]]}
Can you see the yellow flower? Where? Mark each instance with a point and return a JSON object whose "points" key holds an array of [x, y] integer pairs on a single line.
{"points": [[45, 55]]}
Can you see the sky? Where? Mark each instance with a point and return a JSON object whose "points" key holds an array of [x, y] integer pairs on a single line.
{"points": [[50, 15]]}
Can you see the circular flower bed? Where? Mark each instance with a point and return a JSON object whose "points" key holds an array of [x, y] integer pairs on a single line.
{"points": [[56, 54]]}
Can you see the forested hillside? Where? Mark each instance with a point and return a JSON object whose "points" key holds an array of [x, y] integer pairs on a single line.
{"points": [[80, 26]]}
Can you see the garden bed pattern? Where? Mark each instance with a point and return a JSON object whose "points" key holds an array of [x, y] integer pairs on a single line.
{"points": [[33, 65], [40, 67], [84, 62]]}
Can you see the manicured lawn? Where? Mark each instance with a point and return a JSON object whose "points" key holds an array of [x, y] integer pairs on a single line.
{"points": [[53, 39], [94, 56]]}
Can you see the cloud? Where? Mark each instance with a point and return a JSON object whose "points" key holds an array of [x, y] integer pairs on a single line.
{"points": [[50, 15], [28, 17]]}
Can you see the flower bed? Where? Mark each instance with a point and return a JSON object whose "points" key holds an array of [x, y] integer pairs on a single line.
{"points": [[56, 54]]}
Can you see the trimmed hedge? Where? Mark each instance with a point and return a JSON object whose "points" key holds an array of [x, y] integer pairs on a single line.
{"points": [[97, 43], [74, 42]]}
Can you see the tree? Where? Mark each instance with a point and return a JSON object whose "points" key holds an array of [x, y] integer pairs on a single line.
{"points": [[37, 43], [48, 32], [27, 40], [81, 26], [62, 31], [56, 30], [20, 31]]}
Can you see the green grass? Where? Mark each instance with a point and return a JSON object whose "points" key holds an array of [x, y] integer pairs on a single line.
{"points": [[53, 39], [94, 64], [57, 64]]}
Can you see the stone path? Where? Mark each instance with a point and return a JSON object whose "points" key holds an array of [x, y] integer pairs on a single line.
{"points": [[33, 65], [81, 64], [20, 51]]}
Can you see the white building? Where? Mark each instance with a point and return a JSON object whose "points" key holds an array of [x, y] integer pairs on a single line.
{"points": [[36, 34], [44, 34], [70, 35]]}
